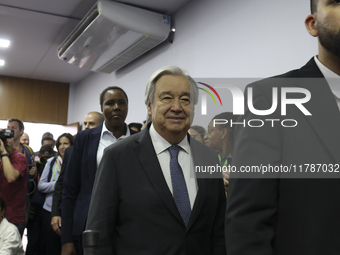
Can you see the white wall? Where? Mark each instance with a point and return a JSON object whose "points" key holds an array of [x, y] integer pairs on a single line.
{"points": [[214, 39]]}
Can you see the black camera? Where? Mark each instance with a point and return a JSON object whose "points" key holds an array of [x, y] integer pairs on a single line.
{"points": [[5, 134]]}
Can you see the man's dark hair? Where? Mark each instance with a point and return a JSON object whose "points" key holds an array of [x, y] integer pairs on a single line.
{"points": [[313, 6], [47, 134], [21, 124], [101, 98], [47, 138], [45, 148]]}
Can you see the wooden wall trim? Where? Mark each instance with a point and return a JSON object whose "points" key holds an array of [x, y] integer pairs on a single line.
{"points": [[34, 100]]}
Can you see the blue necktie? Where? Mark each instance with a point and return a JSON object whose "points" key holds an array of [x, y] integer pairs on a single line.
{"points": [[179, 186]]}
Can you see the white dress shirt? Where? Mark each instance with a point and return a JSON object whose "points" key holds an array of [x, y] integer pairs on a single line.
{"points": [[332, 78], [184, 159], [106, 139]]}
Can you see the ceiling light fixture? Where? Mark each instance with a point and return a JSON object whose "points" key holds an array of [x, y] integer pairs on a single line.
{"points": [[4, 43], [2, 62]]}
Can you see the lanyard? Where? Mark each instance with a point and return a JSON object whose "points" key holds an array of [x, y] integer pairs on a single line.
{"points": [[55, 171], [225, 162]]}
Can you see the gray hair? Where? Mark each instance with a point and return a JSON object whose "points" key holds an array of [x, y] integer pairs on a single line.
{"points": [[167, 70]]}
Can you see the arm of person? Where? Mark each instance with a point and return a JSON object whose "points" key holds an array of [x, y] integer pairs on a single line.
{"points": [[71, 188], [10, 173], [58, 190], [45, 186], [55, 213], [252, 202], [13, 168], [104, 205], [57, 194]]}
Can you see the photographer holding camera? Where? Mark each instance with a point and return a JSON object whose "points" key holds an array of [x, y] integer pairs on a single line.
{"points": [[13, 180]]}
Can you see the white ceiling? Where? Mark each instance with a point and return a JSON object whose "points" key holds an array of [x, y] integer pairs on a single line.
{"points": [[36, 28]]}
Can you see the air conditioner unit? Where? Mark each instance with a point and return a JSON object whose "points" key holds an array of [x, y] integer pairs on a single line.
{"points": [[113, 34]]}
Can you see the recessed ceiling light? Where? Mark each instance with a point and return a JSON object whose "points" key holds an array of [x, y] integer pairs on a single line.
{"points": [[2, 62], [4, 43]]}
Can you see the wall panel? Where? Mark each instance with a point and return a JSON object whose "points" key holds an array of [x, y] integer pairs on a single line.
{"points": [[34, 100]]}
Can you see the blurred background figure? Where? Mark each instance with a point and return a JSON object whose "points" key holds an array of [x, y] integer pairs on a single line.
{"points": [[50, 135], [92, 120], [135, 126], [47, 134], [35, 244], [197, 132], [221, 138], [45, 140], [46, 185], [10, 240], [25, 139]]}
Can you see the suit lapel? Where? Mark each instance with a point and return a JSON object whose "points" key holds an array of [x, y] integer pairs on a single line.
{"points": [[201, 192], [325, 117], [201, 183], [146, 154]]}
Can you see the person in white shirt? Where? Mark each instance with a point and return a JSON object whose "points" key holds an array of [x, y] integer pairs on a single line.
{"points": [[147, 198], [86, 156], [10, 240]]}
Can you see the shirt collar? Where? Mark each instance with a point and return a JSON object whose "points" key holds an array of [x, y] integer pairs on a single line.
{"points": [[160, 144], [331, 77], [106, 131]]}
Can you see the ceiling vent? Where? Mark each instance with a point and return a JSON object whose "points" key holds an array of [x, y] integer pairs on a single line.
{"points": [[113, 34]]}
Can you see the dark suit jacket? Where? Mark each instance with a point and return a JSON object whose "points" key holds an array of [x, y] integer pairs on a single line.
{"points": [[58, 190], [134, 210], [78, 183], [295, 215]]}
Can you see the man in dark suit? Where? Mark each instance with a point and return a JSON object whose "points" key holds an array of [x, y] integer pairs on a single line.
{"points": [[298, 215], [87, 152], [91, 120], [146, 198]]}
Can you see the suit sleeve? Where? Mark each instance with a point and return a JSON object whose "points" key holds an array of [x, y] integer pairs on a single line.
{"points": [[218, 237], [252, 202], [58, 190], [72, 180], [104, 204]]}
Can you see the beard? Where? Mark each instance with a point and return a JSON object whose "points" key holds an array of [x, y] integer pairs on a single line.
{"points": [[329, 39]]}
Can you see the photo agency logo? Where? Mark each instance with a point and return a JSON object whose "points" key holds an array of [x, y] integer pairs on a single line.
{"points": [[233, 96], [204, 97]]}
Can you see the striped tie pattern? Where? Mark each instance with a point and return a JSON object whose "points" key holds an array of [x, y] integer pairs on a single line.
{"points": [[179, 186]]}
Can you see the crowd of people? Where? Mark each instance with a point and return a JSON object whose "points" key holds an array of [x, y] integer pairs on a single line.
{"points": [[53, 203], [133, 189]]}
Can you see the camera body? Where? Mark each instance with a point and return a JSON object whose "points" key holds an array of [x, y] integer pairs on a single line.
{"points": [[5, 134]]}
